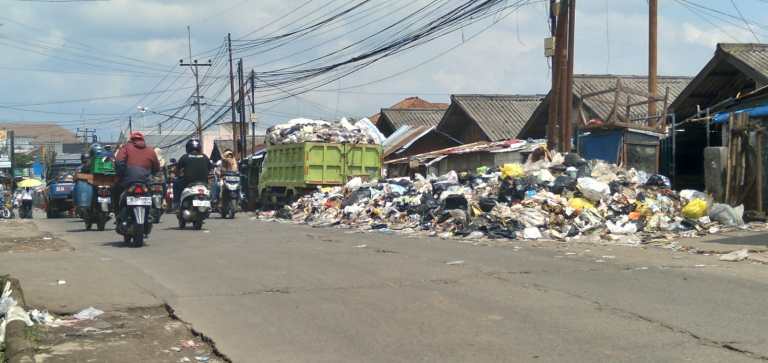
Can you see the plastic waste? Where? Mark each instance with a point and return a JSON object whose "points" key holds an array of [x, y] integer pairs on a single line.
{"points": [[593, 189], [735, 256], [658, 180], [354, 183], [580, 203], [726, 214], [695, 209], [89, 313], [512, 171], [531, 233], [690, 194]]}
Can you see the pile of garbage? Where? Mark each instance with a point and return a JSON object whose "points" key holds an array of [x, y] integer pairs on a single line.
{"points": [[342, 132], [556, 197]]}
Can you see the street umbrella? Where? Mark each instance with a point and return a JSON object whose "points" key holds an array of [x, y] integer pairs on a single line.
{"points": [[29, 183]]}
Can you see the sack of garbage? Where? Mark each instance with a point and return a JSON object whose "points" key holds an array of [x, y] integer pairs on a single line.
{"points": [[726, 214], [563, 183], [695, 209], [658, 180], [512, 171], [593, 189], [580, 203]]}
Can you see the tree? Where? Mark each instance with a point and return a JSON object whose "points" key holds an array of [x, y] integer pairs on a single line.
{"points": [[23, 161]]}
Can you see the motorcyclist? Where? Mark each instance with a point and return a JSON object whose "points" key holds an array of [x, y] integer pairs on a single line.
{"points": [[227, 164], [192, 168], [26, 200], [135, 163]]}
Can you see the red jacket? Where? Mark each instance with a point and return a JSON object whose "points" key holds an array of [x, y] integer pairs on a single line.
{"points": [[139, 160]]}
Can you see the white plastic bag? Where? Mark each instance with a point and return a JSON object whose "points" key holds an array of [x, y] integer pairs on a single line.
{"points": [[593, 189]]}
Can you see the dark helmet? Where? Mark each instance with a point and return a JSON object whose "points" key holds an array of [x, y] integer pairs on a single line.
{"points": [[96, 149], [194, 145]]}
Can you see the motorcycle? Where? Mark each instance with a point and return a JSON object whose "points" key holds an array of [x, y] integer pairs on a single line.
{"points": [[132, 221], [194, 206], [230, 195], [6, 207], [156, 189], [98, 211]]}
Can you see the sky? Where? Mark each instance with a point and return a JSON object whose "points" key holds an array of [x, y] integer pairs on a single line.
{"points": [[91, 63]]}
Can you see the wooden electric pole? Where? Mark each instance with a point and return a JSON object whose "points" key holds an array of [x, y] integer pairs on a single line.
{"points": [[566, 122], [232, 94], [241, 109], [652, 55], [552, 110], [561, 59]]}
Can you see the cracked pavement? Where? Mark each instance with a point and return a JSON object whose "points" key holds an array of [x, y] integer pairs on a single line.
{"points": [[269, 292]]}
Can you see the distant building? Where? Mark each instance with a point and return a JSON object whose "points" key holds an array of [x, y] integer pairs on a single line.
{"points": [[473, 118], [410, 103]]}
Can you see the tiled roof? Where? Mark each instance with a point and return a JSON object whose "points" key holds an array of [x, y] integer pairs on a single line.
{"points": [[601, 105], [501, 117], [412, 117], [411, 102], [41, 132]]}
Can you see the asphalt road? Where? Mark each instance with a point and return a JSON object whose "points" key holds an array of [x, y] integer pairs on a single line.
{"points": [[274, 292]]}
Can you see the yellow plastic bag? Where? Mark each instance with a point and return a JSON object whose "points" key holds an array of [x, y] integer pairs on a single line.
{"points": [[580, 203], [695, 209], [512, 171]]}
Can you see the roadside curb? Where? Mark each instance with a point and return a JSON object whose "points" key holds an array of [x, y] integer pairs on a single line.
{"points": [[18, 347]]}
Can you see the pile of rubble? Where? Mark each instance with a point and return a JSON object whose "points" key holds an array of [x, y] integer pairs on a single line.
{"points": [[556, 197], [342, 132]]}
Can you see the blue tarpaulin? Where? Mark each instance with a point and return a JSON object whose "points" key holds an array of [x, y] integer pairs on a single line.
{"points": [[603, 145], [759, 111]]}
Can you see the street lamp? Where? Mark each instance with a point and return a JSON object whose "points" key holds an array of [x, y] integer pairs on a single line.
{"points": [[197, 127]]}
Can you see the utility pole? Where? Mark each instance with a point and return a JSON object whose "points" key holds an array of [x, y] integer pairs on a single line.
{"points": [[130, 126], [12, 157], [561, 67], [652, 55], [195, 70], [86, 133], [552, 110], [232, 92], [241, 109], [568, 123], [253, 110]]}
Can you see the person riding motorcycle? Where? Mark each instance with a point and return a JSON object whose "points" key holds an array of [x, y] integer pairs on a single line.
{"points": [[227, 164], [192, 167], [135, 163]]}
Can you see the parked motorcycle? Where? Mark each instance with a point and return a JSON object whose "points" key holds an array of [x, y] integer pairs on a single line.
{"points": [[6, 207], [230, 195], [194, 206], [132, 218], [156, 188]]}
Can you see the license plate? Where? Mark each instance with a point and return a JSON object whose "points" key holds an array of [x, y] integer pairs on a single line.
{"points": [[232, 179], [104, 200], [201, 203], [145, 201]]}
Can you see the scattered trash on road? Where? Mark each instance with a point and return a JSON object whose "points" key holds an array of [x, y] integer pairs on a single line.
{"points": [[89, 313], [735, 256], [457, 262]]}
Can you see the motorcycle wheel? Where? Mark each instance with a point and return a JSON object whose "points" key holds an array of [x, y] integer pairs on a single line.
{"points": [[197, 225], [182, 223], [88, 225], [138, 240], [6, 213], [127, 239]]}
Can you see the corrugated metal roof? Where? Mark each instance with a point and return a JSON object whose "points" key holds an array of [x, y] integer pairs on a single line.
{"points": [[412, 117], [408, 103], [402, 137], [735, 68], [753, 55], [601, 105], [501, 117]]}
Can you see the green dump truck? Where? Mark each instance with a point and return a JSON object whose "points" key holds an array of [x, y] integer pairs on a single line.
{"points": [[291, 170]]}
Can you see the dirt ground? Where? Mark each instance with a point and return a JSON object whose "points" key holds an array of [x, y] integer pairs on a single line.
{"points": [[20, 236], [134, 335]]}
